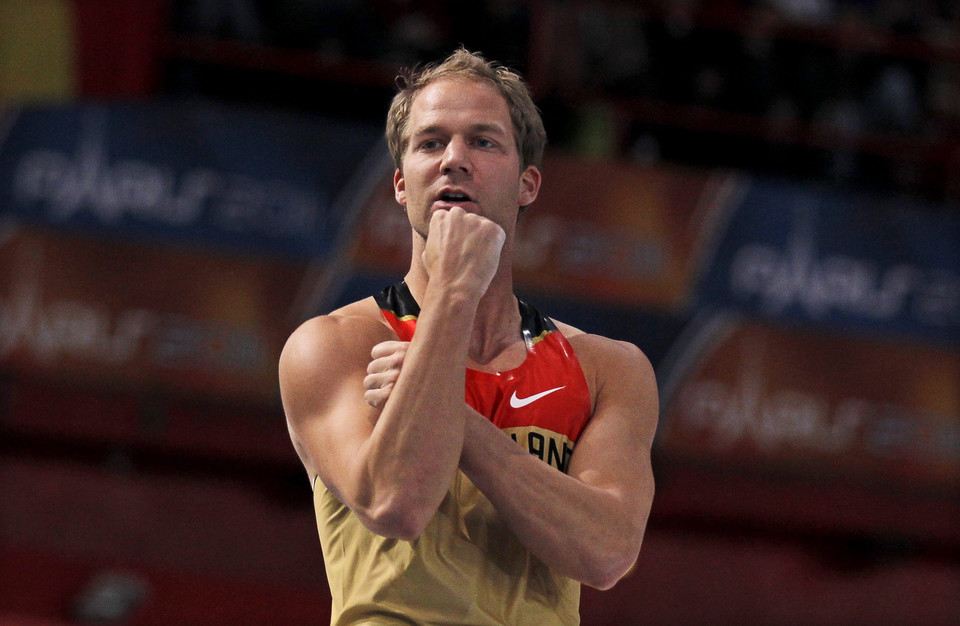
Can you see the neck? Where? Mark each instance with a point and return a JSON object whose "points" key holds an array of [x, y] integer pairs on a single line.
{"points": [[496, 326]]}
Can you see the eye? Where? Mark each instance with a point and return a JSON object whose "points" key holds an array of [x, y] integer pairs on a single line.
{"points": [[430, 145], [483, 142]]}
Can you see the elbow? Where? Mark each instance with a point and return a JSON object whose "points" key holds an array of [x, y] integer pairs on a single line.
{"points": [[605, 575], [612, 564], [397, 519], [616, 555]]}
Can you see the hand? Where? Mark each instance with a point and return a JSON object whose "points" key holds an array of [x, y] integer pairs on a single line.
{"points": [[463, 250], [383, 371]]}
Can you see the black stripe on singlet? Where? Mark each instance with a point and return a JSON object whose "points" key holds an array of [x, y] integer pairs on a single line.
{"points": [[398, 300], [533, 322]]}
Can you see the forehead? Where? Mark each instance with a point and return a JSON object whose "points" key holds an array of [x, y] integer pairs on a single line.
{"points": [[459, 100]]}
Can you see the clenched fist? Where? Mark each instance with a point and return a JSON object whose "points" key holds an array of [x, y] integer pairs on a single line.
{"points": [[463, 250]]}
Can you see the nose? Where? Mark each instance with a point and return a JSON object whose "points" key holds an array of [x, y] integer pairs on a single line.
{"points": [[456, 158]]}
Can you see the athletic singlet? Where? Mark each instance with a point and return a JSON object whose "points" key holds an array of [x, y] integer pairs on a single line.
{"points": [[467, 567]]}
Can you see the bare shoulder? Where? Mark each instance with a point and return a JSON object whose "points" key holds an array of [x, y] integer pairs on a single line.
{"points": [[362, 313], [342, 327], [597, 353], [329, 348], [321, 373]]}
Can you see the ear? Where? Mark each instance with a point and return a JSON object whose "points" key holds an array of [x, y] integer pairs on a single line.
{"points": [[399, 188], [529, 185]]}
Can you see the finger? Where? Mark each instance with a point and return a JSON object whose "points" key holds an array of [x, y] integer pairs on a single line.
{"points": [[378, 380], [385, 348], [388, 366], [441, 215], [391, 362], [377, 398]]}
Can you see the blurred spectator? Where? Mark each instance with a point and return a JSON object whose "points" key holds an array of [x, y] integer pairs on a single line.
{"points": [[754, 78], [414, 31], [842, 110], [845, 115], [644, 149], [338, 27], [943, 98], [892, 104], [500, 29], [235, 19], [614, 55], [904, 17], [814, 11], [691, 63]]}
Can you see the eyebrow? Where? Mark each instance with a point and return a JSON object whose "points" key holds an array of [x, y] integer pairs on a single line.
{"points": [[481, 127]]}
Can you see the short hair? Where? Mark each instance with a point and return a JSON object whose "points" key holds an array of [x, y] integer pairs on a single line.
{"points": [[529, 134]]}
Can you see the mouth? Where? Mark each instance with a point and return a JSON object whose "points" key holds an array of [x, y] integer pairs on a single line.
{"points": [[454, 197]]}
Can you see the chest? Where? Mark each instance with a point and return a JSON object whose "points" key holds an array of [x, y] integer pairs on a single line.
{"points": [[543, 403]]}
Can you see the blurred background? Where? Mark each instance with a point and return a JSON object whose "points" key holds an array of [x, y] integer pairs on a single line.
{"points": [[764, 195]]}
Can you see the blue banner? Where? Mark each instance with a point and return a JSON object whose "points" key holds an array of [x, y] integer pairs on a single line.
{"points": [[244, 179], [799, 254]]}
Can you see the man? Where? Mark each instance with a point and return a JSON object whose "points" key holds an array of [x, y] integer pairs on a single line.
{"points": [[490, 511]]}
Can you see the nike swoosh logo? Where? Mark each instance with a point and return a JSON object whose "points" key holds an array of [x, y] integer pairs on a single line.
{"points": [[517, 403]]}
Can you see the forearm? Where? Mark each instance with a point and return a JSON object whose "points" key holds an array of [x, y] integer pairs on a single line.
{"points": [[416, 443], [584, 531]]}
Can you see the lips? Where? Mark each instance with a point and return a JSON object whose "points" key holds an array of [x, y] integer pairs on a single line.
{"points": [[449, 198], [454, 197]]}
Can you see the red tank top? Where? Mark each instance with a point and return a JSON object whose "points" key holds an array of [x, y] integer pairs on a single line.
{"points": [[544, 403]]}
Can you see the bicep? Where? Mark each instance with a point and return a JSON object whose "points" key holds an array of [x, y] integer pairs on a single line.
{"points": [[321, 384]]}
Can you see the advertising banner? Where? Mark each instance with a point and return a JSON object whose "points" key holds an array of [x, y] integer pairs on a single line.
{"points": [[795, 403], [138, 317], [843, 261], [225, 177]]}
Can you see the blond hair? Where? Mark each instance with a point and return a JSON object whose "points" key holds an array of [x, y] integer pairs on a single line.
{"points": [[528, 131]]}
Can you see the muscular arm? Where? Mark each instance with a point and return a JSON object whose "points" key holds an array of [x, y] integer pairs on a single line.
{"points": [[587, 524], [393, 467]]}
